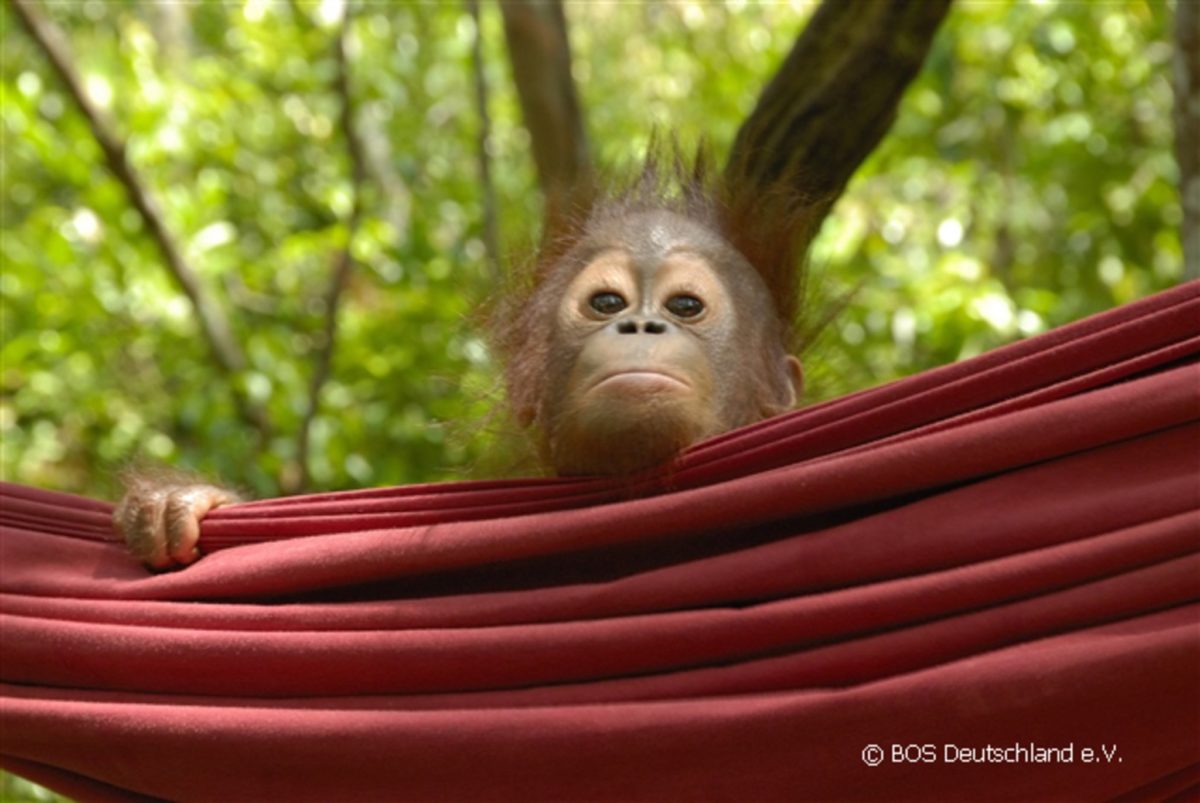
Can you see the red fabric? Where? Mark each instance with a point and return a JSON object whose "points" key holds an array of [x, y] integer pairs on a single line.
{"points": [[996, 553]]}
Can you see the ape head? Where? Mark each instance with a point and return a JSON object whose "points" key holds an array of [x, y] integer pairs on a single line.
{"points": [[656, 316]]}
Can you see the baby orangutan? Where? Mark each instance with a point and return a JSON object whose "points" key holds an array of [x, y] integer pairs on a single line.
{"points": [[660, 335], [654, 318]]}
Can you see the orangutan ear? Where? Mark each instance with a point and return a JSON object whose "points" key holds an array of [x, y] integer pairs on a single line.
{"points": [[526, 415], [795, 375]]}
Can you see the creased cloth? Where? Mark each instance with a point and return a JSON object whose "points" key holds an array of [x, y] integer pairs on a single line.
{"points": [[979, 582]]}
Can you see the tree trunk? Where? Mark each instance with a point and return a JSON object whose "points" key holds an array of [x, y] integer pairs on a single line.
{"points": [[1187, 129], [491, 223], [835, 96], [343, 261], [536, 31]]}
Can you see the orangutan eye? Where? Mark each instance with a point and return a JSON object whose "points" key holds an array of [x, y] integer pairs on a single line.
{"points": [[607, 303], [685, 306]]}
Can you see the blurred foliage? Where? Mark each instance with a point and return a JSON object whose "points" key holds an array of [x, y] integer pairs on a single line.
{"points": [[18, 790], [1027, 182]]}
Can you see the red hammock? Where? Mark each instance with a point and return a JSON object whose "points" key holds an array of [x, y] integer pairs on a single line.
{"points": [[979, 582]]}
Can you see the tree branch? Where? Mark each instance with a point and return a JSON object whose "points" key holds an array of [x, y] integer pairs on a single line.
{"points": [[214, 327], [540, 54], [491, 228], [1187, 130], [835, 95], [343, 261]]}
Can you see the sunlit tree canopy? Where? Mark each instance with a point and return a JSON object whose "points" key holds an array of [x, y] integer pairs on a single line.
{"points": [[1028, 181]]}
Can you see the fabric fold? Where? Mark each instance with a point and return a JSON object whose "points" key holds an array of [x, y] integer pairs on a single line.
{"points": [[981, 582]]}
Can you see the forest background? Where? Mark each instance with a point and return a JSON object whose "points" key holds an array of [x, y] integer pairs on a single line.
{"points": [[1029, 180]]}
